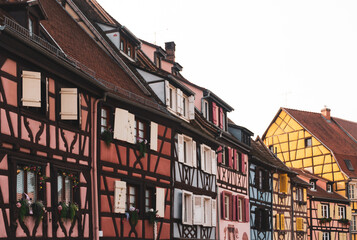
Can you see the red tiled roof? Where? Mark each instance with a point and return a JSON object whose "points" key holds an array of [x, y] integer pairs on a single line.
{"points": [[331, 135], [348, 126], [78, 44]]}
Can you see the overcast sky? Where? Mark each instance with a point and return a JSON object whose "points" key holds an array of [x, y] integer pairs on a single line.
{"points": [[257, 55]]}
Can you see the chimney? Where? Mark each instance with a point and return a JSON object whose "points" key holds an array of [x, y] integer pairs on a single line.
{"points": [[170, 50], [326, 113]]}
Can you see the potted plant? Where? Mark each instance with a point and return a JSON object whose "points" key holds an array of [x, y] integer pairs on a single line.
{"points": [[325, 220], [107, 136], [142, 145], [344, 221], [152, 215], [26, 208], [67, 211], [133, 216]]}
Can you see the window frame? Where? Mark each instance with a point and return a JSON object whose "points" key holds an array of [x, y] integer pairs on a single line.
{"points": [[128, 195], [329, 187], [325, 235], [341, 212], [144, 131], [205, 109], [354, 223], [351, 189], [313, 185], [227, 206], [308, 142], [107, 119], [299, 194], [64, 189], [187, 212], [325, 210], [26, 184], [240, 209], [150, 198]]}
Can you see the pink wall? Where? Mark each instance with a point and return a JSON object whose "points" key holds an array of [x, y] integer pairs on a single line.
{"points": [[198, 95], [240, 227], [166, 66], [148, 50]]}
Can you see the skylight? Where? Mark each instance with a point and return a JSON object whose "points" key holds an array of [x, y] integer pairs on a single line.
{"points": [[349, 165]]}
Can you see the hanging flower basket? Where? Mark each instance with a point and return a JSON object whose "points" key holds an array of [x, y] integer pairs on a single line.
{"points": [[344, 221], [142, 145], [26, 208], [67, 211], [133, 216], [152, 216], [107, 136]]}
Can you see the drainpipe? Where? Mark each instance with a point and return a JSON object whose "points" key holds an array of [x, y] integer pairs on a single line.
{"points": [[95, 210], [292, 208]]}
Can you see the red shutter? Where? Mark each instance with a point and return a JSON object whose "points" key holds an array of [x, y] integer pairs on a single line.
{"points": [[243, 162], [221, 118], [231, 207], [223, 214], [214, 113], [230, 160], [234, 208], [235, 159], [219, 155], [246, 210]]}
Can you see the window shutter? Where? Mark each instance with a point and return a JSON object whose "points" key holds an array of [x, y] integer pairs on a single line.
{"points": [[304, 195], [208, 210], [299, 224], [319, 210], [235, 166], [191, 107], [197, 209], [230, 207], [180, 148], [331, 209], [348, 213], [194, 154], [219, 155], [214, 162], [119, 196], [336, 216], [283, 180], [266, 181], [277, 219], [160, 202], [167, 93], [282, 222], [69, 104], [202, 149], [121, 124], [31, 89], [214, 212], [214, 113], [342, 236], [321, 235], [131, 128], [230, 155], [153, 136], [179, 102], [257, 223], [244, 162], [221, 118], [223, 212], [332, 235], [234, 208], [246, 209]]}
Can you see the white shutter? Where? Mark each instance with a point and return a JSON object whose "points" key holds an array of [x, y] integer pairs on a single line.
{"points": [[69, 104], [209, 160], [179, 101], [214, 213], [208, 211], [153, 136], [203, 166], [194, 154], [186, 207], [131, 128], [191, 107], [180, 152], [160, 202], [121, 124], [119, 196], [167, 93], [197, 209], [31, 89], [214, 162]]}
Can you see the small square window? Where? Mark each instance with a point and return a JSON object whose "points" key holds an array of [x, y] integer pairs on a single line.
{"points": [[329, 187], [308, 142], [313, 184]]}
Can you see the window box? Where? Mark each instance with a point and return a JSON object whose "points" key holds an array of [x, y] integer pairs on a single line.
{"points": [[325, 220], [344, 221], [67, 211]]}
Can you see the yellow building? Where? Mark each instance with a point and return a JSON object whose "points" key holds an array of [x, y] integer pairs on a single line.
{"points": [[321, 144]]}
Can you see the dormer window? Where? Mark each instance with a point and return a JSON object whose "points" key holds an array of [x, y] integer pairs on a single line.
{"points": [[205, 109], [329, 187], [129, 51], [313, 185], [178, 102], [121, 45]]}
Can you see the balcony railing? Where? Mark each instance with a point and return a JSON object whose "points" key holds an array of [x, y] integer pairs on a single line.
{"points": [[25, 33]]}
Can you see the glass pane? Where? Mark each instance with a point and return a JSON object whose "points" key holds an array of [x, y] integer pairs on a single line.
{"points": [[104, 122], [132, 199], [132, 190], [104, 113], [59, 188], [68, 190], [31, 185], [141, 134], [19, 184], [141, 126], [147, 193]]}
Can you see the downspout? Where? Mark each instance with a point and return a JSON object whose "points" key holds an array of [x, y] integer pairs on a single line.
{"points": [[292, 208], [95, 210], [272, 204]]}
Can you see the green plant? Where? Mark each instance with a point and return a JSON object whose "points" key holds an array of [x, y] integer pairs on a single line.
{"points": [[344, 221], [35, 209], [38, 210], [107, 136], [133, 216], [67, 211], [142, 144], [24, 209], [152, 216], [325, 220]]}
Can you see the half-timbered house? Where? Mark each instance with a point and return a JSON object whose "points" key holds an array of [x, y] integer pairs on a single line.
{"points": [[46, 155], [329, 213], [319, 143]]}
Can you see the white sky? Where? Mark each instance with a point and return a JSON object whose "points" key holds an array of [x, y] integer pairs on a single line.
{"points": [[257, 55]]}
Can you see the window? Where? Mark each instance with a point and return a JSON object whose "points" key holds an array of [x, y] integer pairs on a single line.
{"points": [[341, 212], [299, 194], [226, 206], [354, 223], [325, 210], [349, 164], [185, 105], [260, 179], [27, 182], [122, 45], [329, 187], [262, 219], [140, 131], [231, 233], [271, 148], [313, 185], [186, 207], [205, 109], [224, 161], [283, 183], [238, 163], [129, 51], [131, 197], [64, 188], [206, 158], [299, 224], [186, 150], [325, 236], [172, 97], [351, 191], [149, 197], [104, 119], [308, 142], [240, 209]]}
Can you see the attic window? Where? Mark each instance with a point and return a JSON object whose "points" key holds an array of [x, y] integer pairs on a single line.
{"points": [[308, 142], [349, 165], [129, 51], [313, 184], [329, 187]]}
